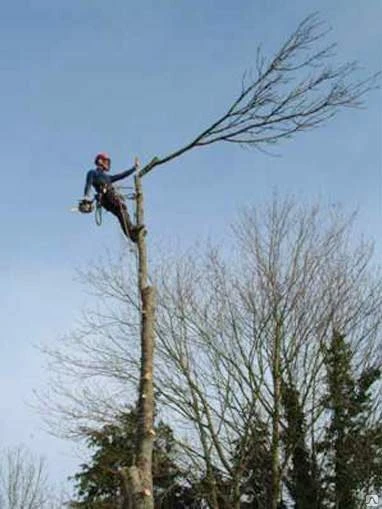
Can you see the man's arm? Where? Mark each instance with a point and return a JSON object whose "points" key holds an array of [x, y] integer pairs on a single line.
{"points": [[88, 184], [126, 173], [122, 175]]}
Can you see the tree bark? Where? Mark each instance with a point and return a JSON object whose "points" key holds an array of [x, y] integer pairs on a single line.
{"points": [[138, 478], [276, 369]]}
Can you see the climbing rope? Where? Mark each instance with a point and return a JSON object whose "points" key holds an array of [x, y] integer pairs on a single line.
{"points": [[98, 213]]}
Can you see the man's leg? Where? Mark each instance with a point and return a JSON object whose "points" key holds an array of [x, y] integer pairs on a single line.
{"points": [[125, 221], [117, 207]]}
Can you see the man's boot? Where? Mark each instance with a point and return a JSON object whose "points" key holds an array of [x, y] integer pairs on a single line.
{"points": [[134, 232]]}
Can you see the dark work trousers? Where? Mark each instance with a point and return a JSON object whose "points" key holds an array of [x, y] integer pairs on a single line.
{"points": [[115, 204]]}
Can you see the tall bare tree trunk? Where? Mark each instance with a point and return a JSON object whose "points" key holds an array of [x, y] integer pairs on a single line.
{"points": [[138, 480], [276, 368]]}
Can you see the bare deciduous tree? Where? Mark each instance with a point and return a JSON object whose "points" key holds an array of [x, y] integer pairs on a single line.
{"points": [[233, 335], [23, 482]]}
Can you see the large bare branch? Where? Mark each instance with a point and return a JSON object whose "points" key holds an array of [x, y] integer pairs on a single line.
{"points": [[297, 90]]}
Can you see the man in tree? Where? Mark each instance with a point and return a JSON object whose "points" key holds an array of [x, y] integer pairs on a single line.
{"points": [[107, 195]]}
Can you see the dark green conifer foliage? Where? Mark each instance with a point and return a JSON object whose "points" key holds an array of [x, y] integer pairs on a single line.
{"points": [[302, 481], [253, 459], [98, 485], [353, 442]]}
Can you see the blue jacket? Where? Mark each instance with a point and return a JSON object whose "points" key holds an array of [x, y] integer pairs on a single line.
{"points": [[98, 178]]}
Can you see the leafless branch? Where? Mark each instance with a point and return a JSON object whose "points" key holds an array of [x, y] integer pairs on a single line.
{"points": [[299, 89]]}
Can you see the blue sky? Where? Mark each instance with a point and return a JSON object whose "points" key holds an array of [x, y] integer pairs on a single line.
{"points": [[143, 78]]}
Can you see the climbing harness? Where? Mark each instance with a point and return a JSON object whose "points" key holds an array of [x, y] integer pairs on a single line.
{"points": [[86, 206]]}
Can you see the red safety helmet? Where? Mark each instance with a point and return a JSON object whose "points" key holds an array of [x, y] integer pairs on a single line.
{"points": [[103, 156]]}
